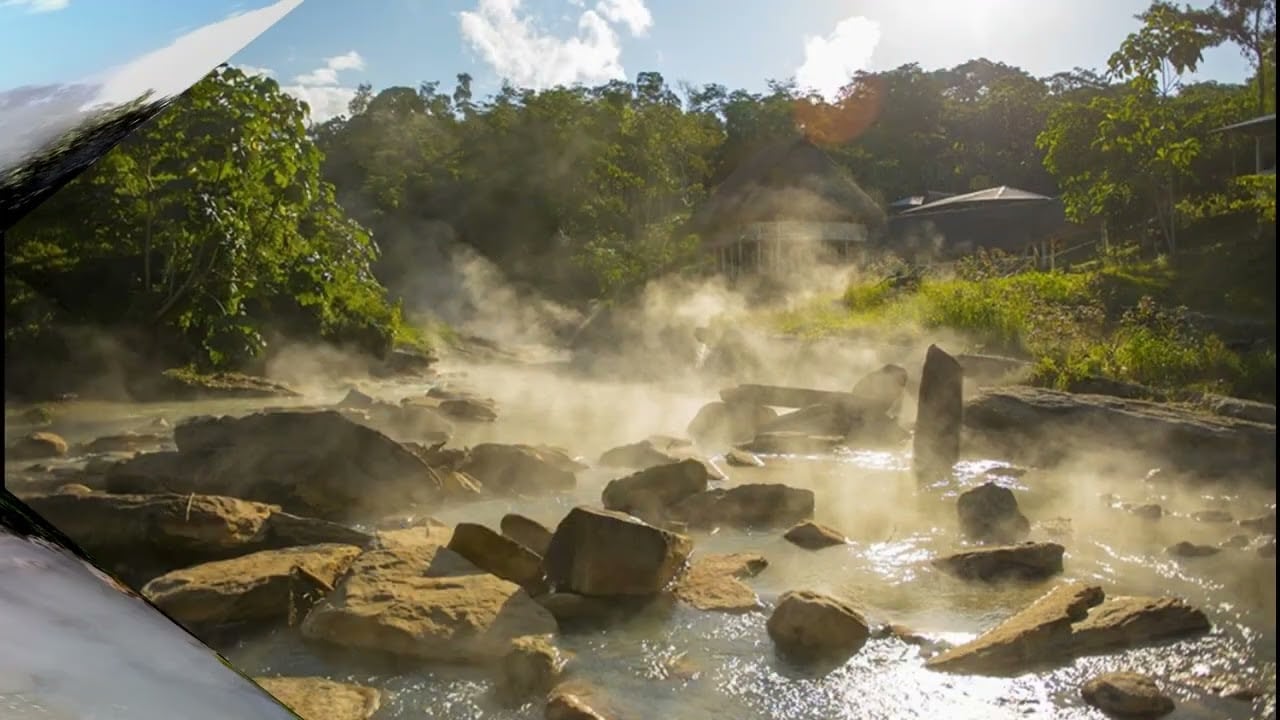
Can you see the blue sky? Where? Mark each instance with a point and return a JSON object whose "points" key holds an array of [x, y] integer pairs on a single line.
{"points": [[322, 49]]}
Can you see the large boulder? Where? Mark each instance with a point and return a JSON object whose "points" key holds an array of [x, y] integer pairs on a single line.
{"points": [[426, 602], [939, 416], [565, 703], [1126, 694], [648, 493], [141, 536], [989, 513], [313, 463], [748, 506], [1028, 561], [36, 446], [1041, 426], [263, 587], [518, 469], [314, 698], [714, 582], [652, 451], [1038, 633], [810, 626], [499, 555], [601, 552], [526, 531]]}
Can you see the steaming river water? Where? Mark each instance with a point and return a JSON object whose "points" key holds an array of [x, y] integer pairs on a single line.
{"points": [[682, 664]]}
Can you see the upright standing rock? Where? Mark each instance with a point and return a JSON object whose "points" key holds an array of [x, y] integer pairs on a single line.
{"points": [[936, 446]]}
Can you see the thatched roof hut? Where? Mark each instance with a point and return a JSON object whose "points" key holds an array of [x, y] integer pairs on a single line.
{"points": [[792, 181]]}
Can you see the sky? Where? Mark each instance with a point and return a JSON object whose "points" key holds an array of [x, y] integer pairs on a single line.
{"points": [[319, 50]]}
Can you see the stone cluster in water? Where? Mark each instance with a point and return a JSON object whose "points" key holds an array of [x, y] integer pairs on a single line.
{"points": [[250, 522]]}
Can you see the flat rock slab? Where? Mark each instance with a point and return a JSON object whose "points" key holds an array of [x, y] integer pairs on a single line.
{"points": [[746, 506], [314, 698], [1071, 620], [714, 582], [495, 553], [265, 586], [429, 603], [1041, 426], [1028, 561], [1041, 629]]}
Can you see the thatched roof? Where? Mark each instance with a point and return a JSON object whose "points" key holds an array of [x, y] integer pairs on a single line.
{"points": [[792, 180]]}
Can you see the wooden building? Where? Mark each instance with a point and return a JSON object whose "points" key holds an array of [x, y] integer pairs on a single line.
{"points": [[783, 208]]}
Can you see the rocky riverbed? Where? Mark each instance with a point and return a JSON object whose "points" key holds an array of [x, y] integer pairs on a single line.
{"points": [[518, 543]]}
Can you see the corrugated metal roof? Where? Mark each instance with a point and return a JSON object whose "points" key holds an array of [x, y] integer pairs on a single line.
{"points": [[1001, 194]]}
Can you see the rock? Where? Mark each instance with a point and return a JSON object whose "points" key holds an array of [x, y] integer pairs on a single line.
{"points": [[1186, 549], [565, 705], [989, 513], [39, 416], [500, 555], [1148, 511], [601, 552], [74, 489], [655, 450], [721, 423], [1263, 523], [314, 698], [811, 626], [312, 463], [928, 646], [357, 399], [426, 602], [178, 384], [936, 444], [531, 666], [812, 536], [1043, 426], [517, 469], [259, 587], [991, 369], [649, 493], [469, 409], [1212, 516], [1124, 621], [748, 506], [1235, 542], [141, 536], [1041, 632], [427, 533], [825, 420], [406, 362], [714, 582], [880, 392], [125, 442], [792, 443], [529, 533], [1028, 561], [1127, 694], [742, 458], [36, 446], [1250, 410], [573, 609], [1266, 546]]}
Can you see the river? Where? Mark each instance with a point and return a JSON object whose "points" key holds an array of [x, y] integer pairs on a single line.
{"points": [[682, 664]]}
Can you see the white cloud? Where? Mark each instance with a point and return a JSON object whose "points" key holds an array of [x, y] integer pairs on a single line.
{"points": [[511, 42], [320, 89], [631, 13], [831, 61], [176, 67], [37, 6]]}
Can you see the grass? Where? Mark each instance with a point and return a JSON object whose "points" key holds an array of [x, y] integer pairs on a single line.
{"points": [[1112, 321]]}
